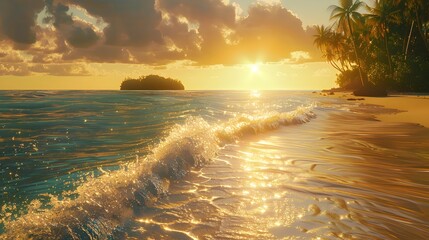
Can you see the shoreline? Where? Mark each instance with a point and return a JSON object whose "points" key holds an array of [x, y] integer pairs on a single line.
{"points": [[413, 108]]}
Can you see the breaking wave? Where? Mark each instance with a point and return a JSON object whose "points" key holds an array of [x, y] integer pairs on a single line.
{"points": [[102, 204]]}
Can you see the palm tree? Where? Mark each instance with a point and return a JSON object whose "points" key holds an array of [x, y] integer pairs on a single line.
{"points": [[330, 44], [344, 15], [322, 36], [416, 11], [404, 6], [381, 15], [341, 48]]}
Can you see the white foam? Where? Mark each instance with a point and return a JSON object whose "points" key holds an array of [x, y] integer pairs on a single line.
{"points": [[105, 202]]}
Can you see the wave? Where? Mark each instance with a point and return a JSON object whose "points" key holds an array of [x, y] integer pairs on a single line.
{"points": [[102, 204]]}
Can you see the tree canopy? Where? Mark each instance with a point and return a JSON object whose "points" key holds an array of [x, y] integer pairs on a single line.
{"points": [[152, 82], [385, 44]]}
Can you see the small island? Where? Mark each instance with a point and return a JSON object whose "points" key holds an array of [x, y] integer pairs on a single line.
{"points": [[152, 82]]}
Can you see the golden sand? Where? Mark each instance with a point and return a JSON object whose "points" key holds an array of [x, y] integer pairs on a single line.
{"points": [[414, 108]]}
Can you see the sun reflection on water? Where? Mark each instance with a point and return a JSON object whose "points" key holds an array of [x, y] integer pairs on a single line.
{"points": [[255, 94]]}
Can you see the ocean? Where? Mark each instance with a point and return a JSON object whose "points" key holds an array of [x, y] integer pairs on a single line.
{"points": [[208, 165]]}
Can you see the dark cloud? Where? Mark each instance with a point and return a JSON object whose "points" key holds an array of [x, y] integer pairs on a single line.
{"points": [[178, 34], [213, 18], [77, 33], [130, 22], [82, 37], [154, 32], [18, 20], [205, 12], [59, 13], [100, 53]]}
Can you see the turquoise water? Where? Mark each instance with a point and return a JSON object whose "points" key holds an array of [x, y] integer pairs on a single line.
{"points": [[207, 165]]}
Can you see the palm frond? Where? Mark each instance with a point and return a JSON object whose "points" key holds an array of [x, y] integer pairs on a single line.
{"points": [[335, 10], [346, 3], [357, 5]]}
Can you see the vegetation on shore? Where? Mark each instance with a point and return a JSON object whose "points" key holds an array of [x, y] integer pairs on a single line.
{"points": [[384, 45], [152, 82]]}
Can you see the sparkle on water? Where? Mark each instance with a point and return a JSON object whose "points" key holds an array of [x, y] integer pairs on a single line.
{"points": [[208, 165]]}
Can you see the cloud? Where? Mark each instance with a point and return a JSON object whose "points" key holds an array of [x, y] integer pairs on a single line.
{"points": [[18, 20], [82, 37], [61, 69], [269, 33], [78, 34], [177, 34], [269, 2], [212, 17], [130, 22], [152, 32], [205, 12], [9, 55], [26, 69], [100, 53], [16, 69]]}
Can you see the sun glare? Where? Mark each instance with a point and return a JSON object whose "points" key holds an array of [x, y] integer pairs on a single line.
{"points": [[255, 94], [254, 68]]}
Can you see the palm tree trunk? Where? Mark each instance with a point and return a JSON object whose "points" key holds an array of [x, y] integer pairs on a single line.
{"points": [[389, 58], [409, 40], [419, 27], [355, 50]]}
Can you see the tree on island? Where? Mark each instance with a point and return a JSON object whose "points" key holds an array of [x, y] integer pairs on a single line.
{"points": [[151, 82]]}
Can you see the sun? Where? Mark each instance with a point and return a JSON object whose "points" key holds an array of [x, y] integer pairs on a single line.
{"points": [[254, 68]]}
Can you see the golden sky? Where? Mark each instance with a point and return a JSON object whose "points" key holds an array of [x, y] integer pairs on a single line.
{"points": [[207, 44]]}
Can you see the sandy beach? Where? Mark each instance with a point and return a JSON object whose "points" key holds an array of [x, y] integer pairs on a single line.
{"points": [[413, 108]]}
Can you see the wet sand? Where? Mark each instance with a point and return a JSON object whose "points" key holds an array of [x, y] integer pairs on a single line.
{"points": [[412, 108], [327, 179]]}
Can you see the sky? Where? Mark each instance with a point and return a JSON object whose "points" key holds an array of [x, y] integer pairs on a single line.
{"points": [[206, 44]]}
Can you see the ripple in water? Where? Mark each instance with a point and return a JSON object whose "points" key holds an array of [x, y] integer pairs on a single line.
{"points": [[226, 166]]}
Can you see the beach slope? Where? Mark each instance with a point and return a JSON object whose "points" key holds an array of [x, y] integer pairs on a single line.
{"points": [[412, 108]]}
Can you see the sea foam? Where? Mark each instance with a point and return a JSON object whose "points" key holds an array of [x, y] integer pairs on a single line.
{"points": [[102, 204]]}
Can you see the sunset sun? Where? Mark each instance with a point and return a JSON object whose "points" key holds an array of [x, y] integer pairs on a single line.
{"points": [[254, 68]]}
